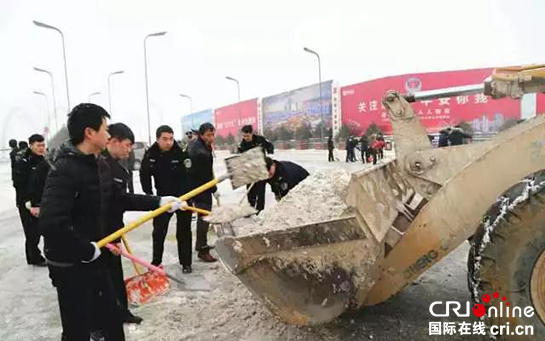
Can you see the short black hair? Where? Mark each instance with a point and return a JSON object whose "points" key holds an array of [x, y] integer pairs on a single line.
{"points": [[121, 132], [206, 127], [23, 145], [269, 162], [84, 115], [247, 129], [35, 138], [163, 129], [13, 143]]}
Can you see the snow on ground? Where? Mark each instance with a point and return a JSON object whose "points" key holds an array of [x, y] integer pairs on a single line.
{"points": [[226, 310]]}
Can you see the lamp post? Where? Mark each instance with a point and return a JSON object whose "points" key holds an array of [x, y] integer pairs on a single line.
{"points": [[40, 24], [190, 107], [52, 95], [110, 88], [238, 90], [46, 112], [93, 94], [146, 77], [320, 85]]}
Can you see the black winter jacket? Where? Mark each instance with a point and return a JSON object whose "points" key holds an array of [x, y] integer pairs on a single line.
{"points": [[286, 176], [168, 169], [37, 182], [25, 164], [12, 157], [74, 206], [122, 201], [201, 169], [257, 141]]}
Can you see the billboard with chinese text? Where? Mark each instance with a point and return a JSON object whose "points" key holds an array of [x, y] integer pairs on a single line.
{"points": [[231, 118], [194, 120], [361, 103], [541, 104], [295, 108]]}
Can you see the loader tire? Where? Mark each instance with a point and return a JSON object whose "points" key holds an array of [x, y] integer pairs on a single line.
{"points": [[507, 257]]}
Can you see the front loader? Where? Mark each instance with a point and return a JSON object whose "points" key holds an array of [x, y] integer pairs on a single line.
{"points": [[408, 213]]}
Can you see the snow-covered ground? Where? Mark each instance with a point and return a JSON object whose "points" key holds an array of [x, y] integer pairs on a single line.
{"points": [[226, 310]]}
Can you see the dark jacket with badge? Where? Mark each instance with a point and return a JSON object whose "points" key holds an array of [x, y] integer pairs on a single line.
{"points": [[37, 180], [202, 169], [257, 141], [168, 169], [25, 164], [74, 206], [121, 200], [286, 176]]}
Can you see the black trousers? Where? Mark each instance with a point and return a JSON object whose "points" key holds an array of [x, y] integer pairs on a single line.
{"points": [[381, 153], [348, 156], [183, 236], [256, 196], [87, 302], [331, 157], [115, 269], [201, 243], [31, 227]]}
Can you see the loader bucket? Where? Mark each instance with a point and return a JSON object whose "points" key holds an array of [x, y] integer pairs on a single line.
{"points": [[310, 274]]}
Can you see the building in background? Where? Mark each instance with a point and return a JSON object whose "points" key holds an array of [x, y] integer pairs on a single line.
{"points": [[194, 120], [231, 118]]}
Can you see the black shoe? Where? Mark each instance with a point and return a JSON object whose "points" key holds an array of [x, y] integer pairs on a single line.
{"points": [[130, 318], [96, 335], [156, 263], [186, 269]]}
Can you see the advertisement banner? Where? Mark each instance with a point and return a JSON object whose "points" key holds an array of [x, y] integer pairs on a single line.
{"points": [[231, 118], [295, 108], [541, 104], [361, 103], [194, 120]]}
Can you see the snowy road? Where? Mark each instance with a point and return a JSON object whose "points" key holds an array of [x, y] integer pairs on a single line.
{"points": [[29, 311]]}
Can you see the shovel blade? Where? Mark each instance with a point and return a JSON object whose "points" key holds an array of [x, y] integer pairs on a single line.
{"points": [[247, 168], [143, 288]]}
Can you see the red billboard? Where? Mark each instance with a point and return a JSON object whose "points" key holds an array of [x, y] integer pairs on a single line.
{"points": [[361, 103], [540, 104], [231, 118]]}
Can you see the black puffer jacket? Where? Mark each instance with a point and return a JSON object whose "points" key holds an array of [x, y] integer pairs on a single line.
{"points": [[12, 156], [257, 141], [168, 169], [25, 164], [201, 169], [121, 200], [37, 180], [286, 176], [74, 206]]}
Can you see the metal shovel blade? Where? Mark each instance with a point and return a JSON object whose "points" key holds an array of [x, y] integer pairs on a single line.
{"points": [[247, 168]]}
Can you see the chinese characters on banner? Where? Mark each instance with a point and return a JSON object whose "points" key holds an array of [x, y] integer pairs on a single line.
{"points": [[231, 118], [361, 103], [452, 328]]}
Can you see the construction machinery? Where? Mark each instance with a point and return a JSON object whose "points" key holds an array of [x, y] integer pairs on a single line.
{"points": [[408, 213]]}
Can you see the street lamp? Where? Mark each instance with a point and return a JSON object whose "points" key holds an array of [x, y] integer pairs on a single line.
{"points": [[40, 24], [146, 77], [190, 108], [46, 112], [93, 94], [52, 95], [110, 88], [320, 85], [238, 89]]}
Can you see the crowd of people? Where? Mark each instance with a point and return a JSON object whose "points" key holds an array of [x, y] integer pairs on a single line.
{"points": [[77, 194], [370, 148]]}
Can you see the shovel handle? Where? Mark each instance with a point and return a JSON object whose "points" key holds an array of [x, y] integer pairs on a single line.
{"points": [[196, 210], [126, 243], [153, 214], [136, 259]]}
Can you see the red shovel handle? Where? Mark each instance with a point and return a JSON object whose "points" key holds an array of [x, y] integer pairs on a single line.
{"points": [[136, 259]]}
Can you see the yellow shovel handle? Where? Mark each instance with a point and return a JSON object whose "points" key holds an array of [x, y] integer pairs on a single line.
{"points": [[197, 210], [153, 214], [126, 243]]}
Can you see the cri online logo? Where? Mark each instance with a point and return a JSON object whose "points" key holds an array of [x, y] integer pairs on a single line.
{"points": [[480, 310]]}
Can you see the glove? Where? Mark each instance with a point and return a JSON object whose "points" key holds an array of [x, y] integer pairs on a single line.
{"points": [[176, 203], [95, 255]]}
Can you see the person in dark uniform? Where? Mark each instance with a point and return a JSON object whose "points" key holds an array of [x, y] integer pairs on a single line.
{"points": [[26, 162], [23, 145], [118, 149], [12, 154], [443, 137], [201, 171], [256, 195], [457, 135], [73, 216], [331, 148], [364, 149], [348, 146], [283, 176], [167, 163]]}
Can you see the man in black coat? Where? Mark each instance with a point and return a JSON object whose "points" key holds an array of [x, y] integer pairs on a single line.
{"points": [[330, 148], [201, 171], [443, 137], [26, 162], [457, 136], [283, 176], [364, 149], [12, 155], [73, 215], [166, 162], [117, 150], [256, 196]]}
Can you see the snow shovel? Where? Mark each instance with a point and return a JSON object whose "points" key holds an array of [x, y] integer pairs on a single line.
{"points": [[242, 169]]}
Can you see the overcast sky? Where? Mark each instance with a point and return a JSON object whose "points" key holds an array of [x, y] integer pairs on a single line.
{"points": [[258, 42]]}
